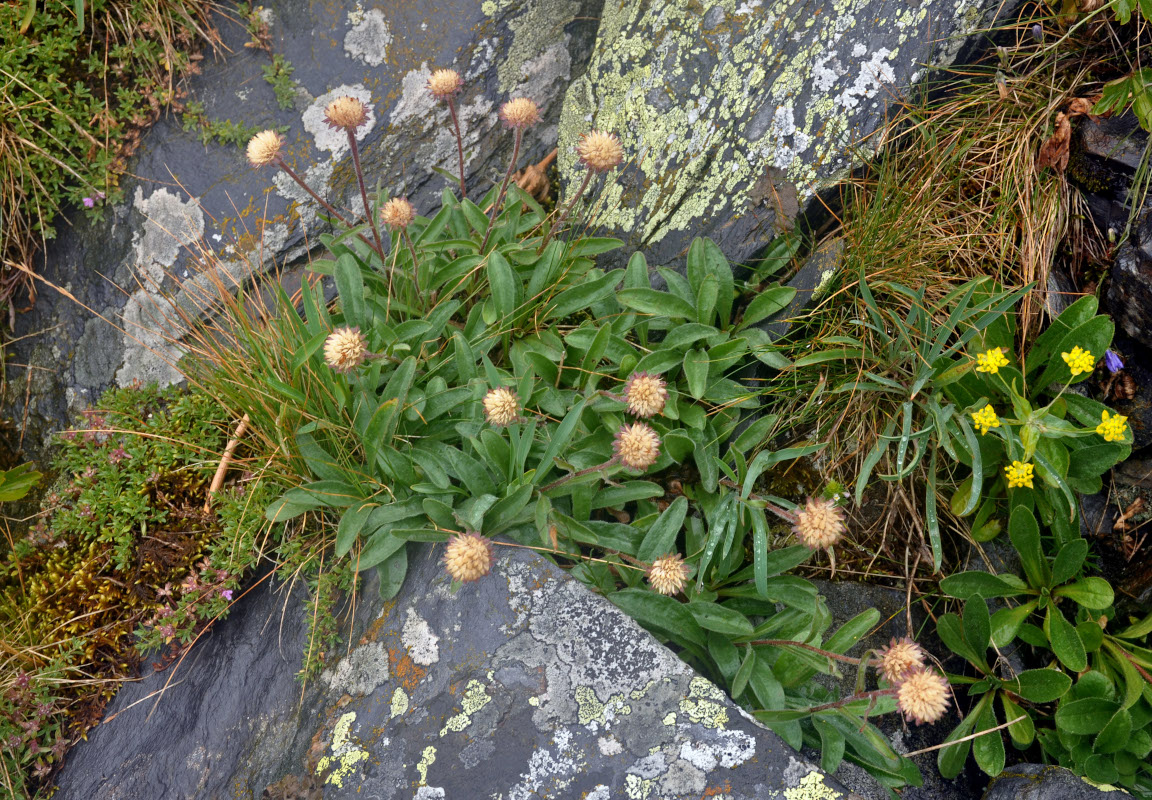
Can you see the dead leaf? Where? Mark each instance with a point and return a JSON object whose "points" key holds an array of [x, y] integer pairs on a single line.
{"points": [[1054, 152]]}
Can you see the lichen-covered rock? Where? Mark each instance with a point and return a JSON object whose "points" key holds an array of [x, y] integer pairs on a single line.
{"points": [[520, 685], [734, 113], [183, 196], [1045, 782]]}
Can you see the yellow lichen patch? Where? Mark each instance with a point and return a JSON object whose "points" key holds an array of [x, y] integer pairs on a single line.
{"points": [[705, 704], [346, 753], [475, 698], [590, 709], [811, 787], [399, 702], [426, 759], [669, 718]]}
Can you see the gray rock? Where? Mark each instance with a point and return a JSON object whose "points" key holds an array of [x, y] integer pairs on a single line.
{"points": [[1129, 298], [735, 113], [136, 268], [521, 685], [1042, 782]]}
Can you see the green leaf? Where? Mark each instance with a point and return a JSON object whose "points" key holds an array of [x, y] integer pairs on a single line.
{"points": [[1065, 641], [1093, 593], [651, 301], [977, 624], [1087, 716], [350, 285], [696, 372], [988, 749], [1040, 685], [965, 585], [1024, 532], [770, 301], [1007, 621], [1023, 730], [351, 523], [1116, 733], [392, 572], [1069, 561], [744, 673], [660, 612], [378, 548], [852, 631], [713, 617], [582, 296], [950, 760], [503, 282], [559, 441], [660, 540], [1137, 630], [707, 266], [831, 744], [17, 482], [769, 693]]}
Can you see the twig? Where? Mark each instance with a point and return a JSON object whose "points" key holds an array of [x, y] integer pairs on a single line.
{"points": [[225, 460]]}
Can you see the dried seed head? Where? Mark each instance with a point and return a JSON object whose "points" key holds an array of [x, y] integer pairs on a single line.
{"points": [[397, 213], [501, 406], [820, 524], [899, 658], [345, 349], [264, 148], [600, 151], [645, 394], [923, 696], [468, 556], [444, 83], [637, 446], [668, 574], [346, 112], [520, 112]]}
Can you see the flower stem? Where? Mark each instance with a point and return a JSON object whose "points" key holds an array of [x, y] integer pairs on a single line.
{"points": [[789, 643], [415, 263], [503, 188], [292, 174], [364, 194], [459, 144], [567, 209], [571, 475]]}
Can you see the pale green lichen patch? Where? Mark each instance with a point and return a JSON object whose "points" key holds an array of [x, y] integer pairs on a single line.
{"points": [[346, 753], [426, 759], [705, 704], [707, 96], [475, 698], [399, 702], [669, 718], [812, 787], [637, 788]]}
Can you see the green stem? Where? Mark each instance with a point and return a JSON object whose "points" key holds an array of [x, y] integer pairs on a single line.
{"points": [[495, 211]]}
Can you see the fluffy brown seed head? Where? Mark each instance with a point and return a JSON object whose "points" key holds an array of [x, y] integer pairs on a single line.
{"points": [[444, 83], [468, 556], [819, 524], [264, 148], [520, 112], [899, 658], [345, 349], [668, 574], [923, 696], [346, 112], [600, 151], [397, 213], [645, 394], [637, 445], [501, 406]]}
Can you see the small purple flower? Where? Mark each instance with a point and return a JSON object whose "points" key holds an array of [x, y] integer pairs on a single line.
{"points": [[1113, 362], [226, 594], [1038, 32], [89, 202], [167, 631], [118, 455]]}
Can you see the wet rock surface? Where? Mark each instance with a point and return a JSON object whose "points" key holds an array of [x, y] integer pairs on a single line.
{"points": [[1044, 782], [735, 114], [521, 685], [183, 197]]}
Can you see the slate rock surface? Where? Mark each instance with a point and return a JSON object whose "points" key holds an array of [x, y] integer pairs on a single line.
{"points": [[735, 113], [521, 685], [1044, 782], [137, 268]]}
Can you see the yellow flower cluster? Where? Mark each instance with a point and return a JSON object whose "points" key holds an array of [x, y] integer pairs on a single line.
{"points": [[1112, 427], [990, 361], [1019, 474], [985, 419], [1079, 360]]}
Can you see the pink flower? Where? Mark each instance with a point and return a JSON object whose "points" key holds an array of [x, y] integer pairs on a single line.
{"points": [[89, 202], [226, 594]]}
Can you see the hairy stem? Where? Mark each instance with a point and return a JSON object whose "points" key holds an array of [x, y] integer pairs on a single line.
{"points": [[364, 194], [567, 209], [495, 210], [459, 144]]}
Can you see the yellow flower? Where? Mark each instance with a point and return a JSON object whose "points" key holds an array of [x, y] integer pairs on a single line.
{"points": [[1079, 360], [645, 394], [637, 446], [900, 658], [1112, 428], [443, 83], [985, 419], [600, 151], [991, 360], [820, 524], [501, 406], [264, 148], [1019, 474], [668, 574], [345, 349], [468, 556], [923, 696], [520, 112]]}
